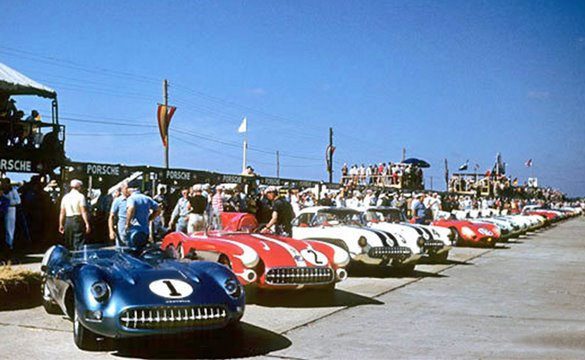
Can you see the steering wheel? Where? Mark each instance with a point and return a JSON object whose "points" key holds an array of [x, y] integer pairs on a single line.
{"points": [[153, 252]]}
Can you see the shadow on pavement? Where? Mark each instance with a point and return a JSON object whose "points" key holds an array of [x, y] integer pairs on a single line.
{"points": [[308, 299], [445, 262], [20, 295], [244, 340], [387, 272], [501, 247]]}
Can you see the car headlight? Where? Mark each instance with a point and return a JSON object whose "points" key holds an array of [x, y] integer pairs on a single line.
{"points": [[420, 242], [341, 257], [485, 232], [362, 241], [233, 288], [467, 232], [100, 291]]}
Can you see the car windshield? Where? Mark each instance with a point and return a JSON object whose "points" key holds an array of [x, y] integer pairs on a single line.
{"points": [[384, 215], [338, 217], [93, 250]]}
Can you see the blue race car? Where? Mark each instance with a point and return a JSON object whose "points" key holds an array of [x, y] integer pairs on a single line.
{"points": [[116, 293]]}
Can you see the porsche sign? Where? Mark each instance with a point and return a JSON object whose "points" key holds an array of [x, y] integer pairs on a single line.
{"points": [[16, 165]]}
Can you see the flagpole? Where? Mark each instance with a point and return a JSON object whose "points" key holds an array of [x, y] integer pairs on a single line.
{"points": [[166, 102], [245, 152], [244, 127]]}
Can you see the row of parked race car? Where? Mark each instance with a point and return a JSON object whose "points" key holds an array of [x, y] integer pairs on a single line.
{"points": [[198, 282]]}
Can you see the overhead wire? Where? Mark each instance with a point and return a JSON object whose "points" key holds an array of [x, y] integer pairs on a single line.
{"points": [[138, 96]]}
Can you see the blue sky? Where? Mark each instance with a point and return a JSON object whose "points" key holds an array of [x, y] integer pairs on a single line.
{"points": [[450, 79]]}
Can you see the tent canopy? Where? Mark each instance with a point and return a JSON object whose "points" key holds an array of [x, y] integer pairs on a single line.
{"points": [[14, 83], [417, 162]]}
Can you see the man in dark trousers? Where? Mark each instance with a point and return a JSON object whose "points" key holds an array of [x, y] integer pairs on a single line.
{"points": [[282, 213], [74, 217]]}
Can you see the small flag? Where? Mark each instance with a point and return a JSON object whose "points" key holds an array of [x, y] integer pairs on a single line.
{"points": [[164, 115], [243, 126], [528, 163], [464, 166]]}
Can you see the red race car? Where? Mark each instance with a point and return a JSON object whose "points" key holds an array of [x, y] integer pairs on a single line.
{"points": [[471, 233], [264, 260]]}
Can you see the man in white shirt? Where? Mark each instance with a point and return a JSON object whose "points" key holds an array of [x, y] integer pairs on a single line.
{"points": [[10, 217], [74, 217]]}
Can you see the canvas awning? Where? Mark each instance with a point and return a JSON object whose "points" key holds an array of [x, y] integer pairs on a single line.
{"points": [[14, 83]]}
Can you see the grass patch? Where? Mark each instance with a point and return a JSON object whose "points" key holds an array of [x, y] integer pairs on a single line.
{"points": [[19, 288]]}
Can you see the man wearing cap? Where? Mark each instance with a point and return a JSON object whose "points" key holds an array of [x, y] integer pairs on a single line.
{"points": [[282, 213], [180, 213], [118, 216], [74, 217]]}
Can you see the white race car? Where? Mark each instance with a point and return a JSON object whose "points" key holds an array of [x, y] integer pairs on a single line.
{"points": [[346, 228], [432, 241]]}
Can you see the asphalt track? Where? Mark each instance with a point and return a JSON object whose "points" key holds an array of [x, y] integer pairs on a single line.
{"points": [[522, 300]]}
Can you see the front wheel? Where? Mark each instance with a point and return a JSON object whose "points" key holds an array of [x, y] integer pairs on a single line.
{"points": [[84, 338], [48, 304]]}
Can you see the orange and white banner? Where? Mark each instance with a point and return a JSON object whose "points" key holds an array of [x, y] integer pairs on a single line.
{"points": [[164, 115]]}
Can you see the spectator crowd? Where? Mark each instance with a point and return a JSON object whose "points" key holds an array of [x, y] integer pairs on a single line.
{"points": [[34, 214], [389, 174], [16, 129]]}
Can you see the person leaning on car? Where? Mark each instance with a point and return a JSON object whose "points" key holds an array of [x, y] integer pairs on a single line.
{"points": [[282, 213], [141, 210]]}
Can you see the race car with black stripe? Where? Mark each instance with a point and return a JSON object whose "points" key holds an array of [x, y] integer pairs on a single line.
{"points": [[264, 261], [347, 229], [433, 242]]}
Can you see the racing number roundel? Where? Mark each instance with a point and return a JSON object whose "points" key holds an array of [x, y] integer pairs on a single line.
{"points": [[171, 288]]}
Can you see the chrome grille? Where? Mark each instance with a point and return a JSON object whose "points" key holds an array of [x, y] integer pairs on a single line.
{"points": [[389, 251], [431, 245], [163, 317], [299, 275]]}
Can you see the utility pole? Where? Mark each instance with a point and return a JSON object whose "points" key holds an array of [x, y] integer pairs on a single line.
{"points": [[277, 164], [330, 156], [431, 183], [166, 103], [403, 154]]}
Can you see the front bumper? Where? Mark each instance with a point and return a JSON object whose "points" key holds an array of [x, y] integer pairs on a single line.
{"points": [[433, 247], [385, 254], [162, 320], [301, 277]]}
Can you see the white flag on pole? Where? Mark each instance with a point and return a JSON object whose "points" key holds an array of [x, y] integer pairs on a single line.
{"points": [[244, 126]]}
